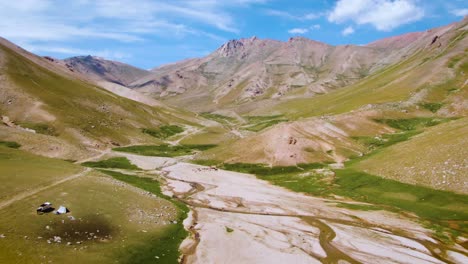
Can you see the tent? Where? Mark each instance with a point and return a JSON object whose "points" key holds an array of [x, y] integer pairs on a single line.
{"points": [[45, 208], [62, 210]]}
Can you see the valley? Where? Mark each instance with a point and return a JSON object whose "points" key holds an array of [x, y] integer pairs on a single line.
{"points": [[262, 151]]}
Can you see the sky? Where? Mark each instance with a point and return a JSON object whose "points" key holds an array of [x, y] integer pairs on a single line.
{"points": [[149, 33]]}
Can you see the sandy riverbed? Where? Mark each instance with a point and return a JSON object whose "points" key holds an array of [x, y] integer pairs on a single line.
{"points": [[241, 219]]}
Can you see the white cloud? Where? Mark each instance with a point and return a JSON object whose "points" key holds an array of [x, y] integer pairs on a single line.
{"points": [[460, 12], [298, 31], [384, 15], [290, 16], [108, 54], [119, 20], [316, 26], [347, 31]]}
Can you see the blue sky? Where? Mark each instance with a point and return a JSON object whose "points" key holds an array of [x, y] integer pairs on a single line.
{"points": [[148, 33]]}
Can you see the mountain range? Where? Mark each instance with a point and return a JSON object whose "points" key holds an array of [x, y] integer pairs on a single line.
{"points": [[263, 151], [252, 97]]}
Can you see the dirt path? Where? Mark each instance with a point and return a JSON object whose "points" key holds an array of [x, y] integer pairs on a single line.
{"points": [[187, 133], [96, 157], [237, 218], [26, 194]]}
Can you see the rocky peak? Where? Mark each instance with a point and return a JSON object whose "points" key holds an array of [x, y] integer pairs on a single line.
{"points": [[231, 47], [235, 46]]}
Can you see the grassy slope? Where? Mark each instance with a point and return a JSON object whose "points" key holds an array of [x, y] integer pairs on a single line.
{"points": [[166, 246], [165, 150], [436, 158], [90, 110], [119, 212], [116, 162], [98, 204], [392, 84], [21, 171]]}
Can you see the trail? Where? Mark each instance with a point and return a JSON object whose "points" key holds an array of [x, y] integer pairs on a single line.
{"points": [[184, 135], [26, 194], [96, 157], [274, 225]]}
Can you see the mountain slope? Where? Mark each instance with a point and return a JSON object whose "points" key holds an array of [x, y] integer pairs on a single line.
{"points": [[428, 70], [443, 164], [427, 87], [254, 69], [101, 69], [69, 111]]}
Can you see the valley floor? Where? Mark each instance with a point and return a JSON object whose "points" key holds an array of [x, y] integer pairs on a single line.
{"points": [[237, 218], [234, 218]]}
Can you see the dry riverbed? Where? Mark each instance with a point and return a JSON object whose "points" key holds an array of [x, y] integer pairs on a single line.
{"points": [[237, 218]]}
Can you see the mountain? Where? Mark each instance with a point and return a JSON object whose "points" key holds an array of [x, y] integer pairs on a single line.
{"points": [[295, 152], [251, 70], [426, 88], [51, 110], [254, 69], [100, 69]]}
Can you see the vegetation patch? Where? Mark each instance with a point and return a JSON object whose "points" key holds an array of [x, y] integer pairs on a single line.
{"points": [[412, 123], [433, 107], [361, 207], [305, 182], [258, 123], [264, 170], [165, 150], [163, 248], [262, 125], [80, 230], [219, 118], [229, 230], [427, 203], [454, 60], [117, 163], [10, 144], [385, 140], [163, 132], [41, 128], [434, 205]]}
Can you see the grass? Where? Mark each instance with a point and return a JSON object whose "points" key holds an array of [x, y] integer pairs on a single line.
{"points": [[97, 203], [434, 205], [165, 150], [163, 132], [373, 143], [412, 123], [313, 183], [165, 246], [454, 61], [258, 123], [95, 112], [424, 159], [258, 119], [229, 230], [41, 128], [219, 118], [260, 126], [360, 207], [22, 171], [10, 144], [433, 107], [428, 203], [117, 163], [264, 170]]}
